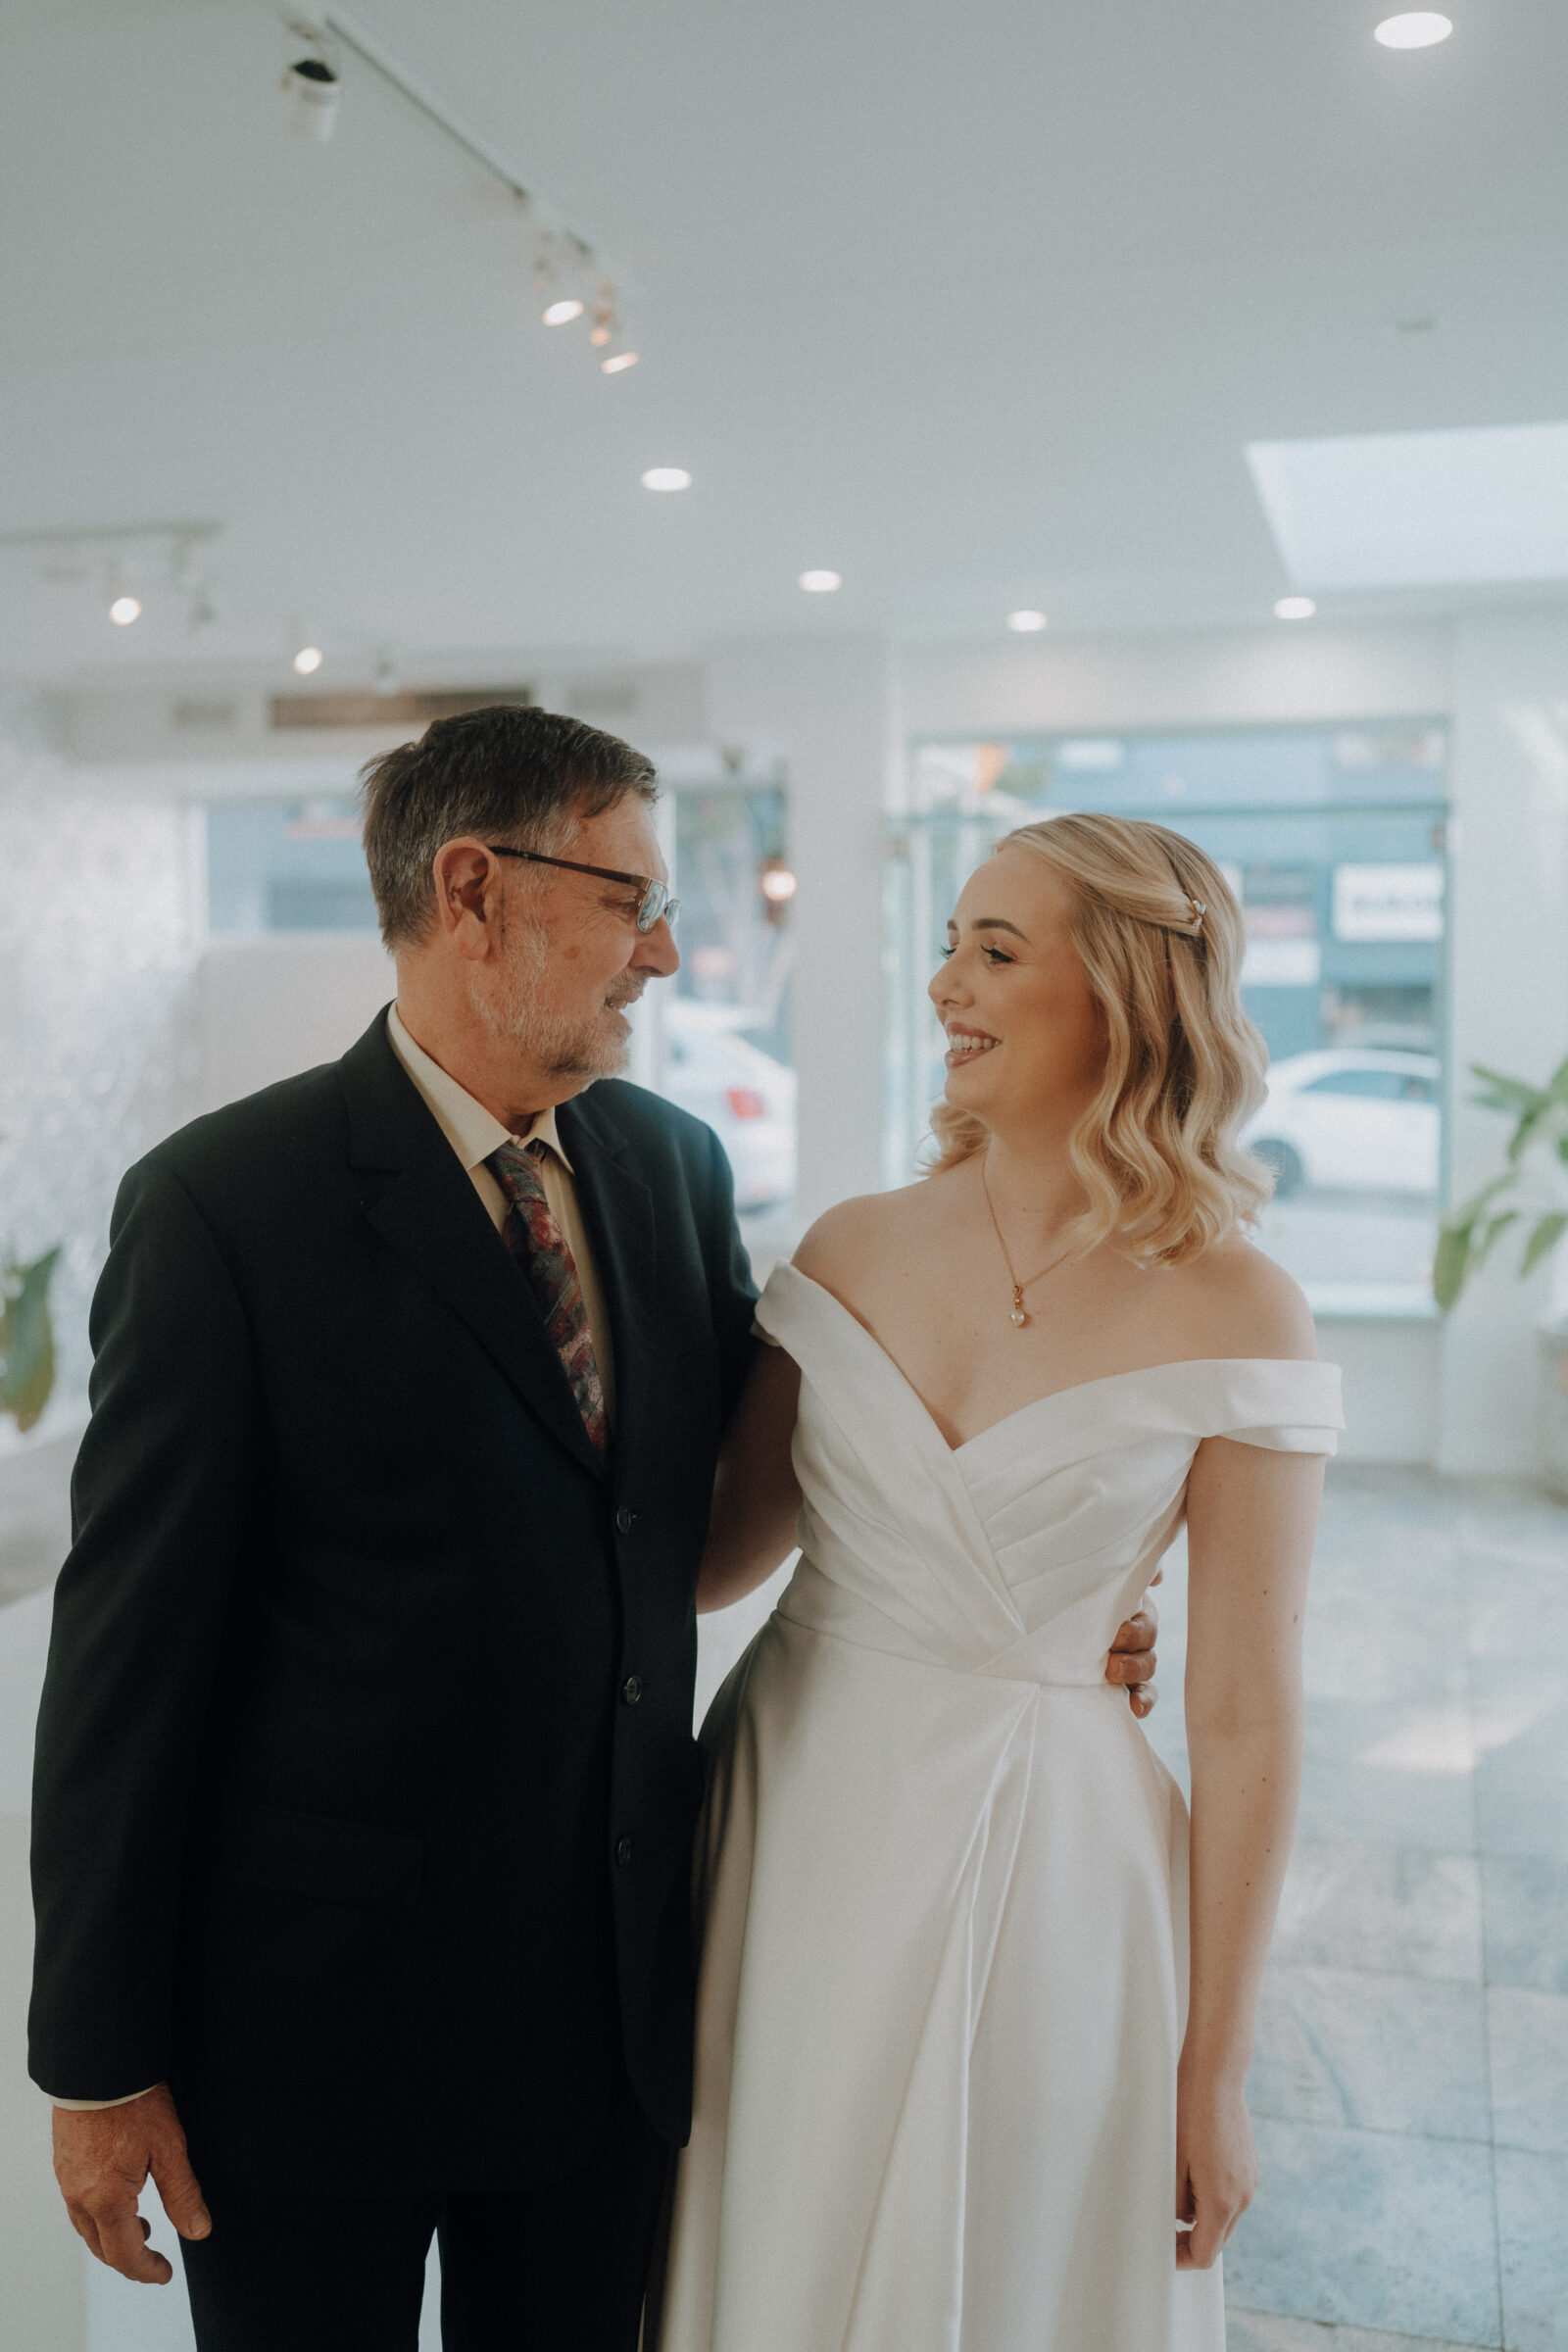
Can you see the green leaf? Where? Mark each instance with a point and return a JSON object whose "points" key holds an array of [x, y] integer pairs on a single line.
{"points": [[1500, 1092], [1469, 1213], [1549, 1231], [1491, 1232], [26, 1341], [1451, 1265]]}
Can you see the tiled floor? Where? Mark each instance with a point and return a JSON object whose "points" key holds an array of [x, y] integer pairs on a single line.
{"points": [[1411, 2081], [1411, 2087]]}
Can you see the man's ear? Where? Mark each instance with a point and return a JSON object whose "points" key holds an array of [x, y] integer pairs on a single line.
{"points": [[467, 897]]}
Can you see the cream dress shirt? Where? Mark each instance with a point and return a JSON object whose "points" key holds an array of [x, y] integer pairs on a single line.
{"points": [[474, 1134]]}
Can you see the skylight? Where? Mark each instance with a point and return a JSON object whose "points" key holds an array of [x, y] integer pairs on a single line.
{"points": [[1418, 510]]}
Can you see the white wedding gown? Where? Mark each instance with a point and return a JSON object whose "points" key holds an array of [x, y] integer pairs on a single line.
{"points": [[943, 1881]]}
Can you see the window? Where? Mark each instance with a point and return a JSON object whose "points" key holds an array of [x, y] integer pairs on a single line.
{"points": [[720, 1035], [286, 866], [1334, 842]]}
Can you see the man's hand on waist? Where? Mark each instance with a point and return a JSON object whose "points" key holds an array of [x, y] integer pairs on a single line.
{"points": [[103, 2158], [1132, 1657]]}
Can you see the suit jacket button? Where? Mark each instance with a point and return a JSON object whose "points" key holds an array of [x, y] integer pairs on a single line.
{"points": [[624, 1852], [631, 1689], [623, 1520]]}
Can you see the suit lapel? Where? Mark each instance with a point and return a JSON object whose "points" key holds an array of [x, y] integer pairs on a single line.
{"points": [[617, 1209], [429, 1210]]}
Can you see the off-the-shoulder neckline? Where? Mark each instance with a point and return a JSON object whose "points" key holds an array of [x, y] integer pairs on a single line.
{"points": [[1077, 1388]]}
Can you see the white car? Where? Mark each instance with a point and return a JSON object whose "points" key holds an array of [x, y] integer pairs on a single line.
{"points": [[1343, 1120], [712, 1069]]}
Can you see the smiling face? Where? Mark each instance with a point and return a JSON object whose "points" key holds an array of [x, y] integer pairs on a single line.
{"points": [[570, 957], [1025, 1040]]}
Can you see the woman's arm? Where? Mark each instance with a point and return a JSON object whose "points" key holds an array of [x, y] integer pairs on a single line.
{"points": [[754, 1495], [1252, 1515]]}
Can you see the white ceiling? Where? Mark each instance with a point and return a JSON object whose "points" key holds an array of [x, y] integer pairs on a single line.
{"points": [[978, 304]]}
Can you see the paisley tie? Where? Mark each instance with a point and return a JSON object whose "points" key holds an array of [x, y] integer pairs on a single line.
{"points": [[541, 1250]]}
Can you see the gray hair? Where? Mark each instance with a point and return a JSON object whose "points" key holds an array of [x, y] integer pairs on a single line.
{"points": [[513, 774]]}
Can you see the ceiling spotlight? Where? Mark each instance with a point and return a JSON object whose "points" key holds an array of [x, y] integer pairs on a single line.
{"points": [[617, 361], [1413, 28], [666, 477], [562, 313], [821, 583], [779, 885], [313, 90], [309, 659], [1026, 624], [125, 609], [1295, 607]]}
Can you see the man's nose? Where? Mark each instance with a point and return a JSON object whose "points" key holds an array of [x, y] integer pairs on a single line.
{"points": [[656, 952]]}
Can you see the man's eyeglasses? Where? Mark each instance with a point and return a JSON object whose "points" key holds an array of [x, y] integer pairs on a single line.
{"points": [[654, 899]]}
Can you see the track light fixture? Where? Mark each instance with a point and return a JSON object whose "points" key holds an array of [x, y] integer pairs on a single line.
{"points": [[566, 270], [312, 86]]}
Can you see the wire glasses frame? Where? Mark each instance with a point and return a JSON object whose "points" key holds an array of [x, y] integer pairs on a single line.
{"points": [[654, 900]]}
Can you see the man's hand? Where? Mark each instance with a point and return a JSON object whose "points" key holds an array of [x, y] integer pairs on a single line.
{"points": [[102, 2158], [1132, 1658]]}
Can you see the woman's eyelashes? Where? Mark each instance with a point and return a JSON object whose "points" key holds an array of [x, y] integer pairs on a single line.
{"points": [[992, 956]]}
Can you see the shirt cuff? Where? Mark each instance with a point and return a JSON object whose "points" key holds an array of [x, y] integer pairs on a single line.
{"points": [[93, 2106]]}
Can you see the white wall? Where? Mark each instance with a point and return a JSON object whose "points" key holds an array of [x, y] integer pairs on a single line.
{"points": [[1179, 678], [269, 1008], [826, 704], [1509, 990]]}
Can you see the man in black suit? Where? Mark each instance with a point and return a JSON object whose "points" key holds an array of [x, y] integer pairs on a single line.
{"points": [[365, 1783]]}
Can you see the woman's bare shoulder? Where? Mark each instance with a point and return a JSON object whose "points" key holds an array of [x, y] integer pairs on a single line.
{"points": [[853, 1235], [1245, 1303]]}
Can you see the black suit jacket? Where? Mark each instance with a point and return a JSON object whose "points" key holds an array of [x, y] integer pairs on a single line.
{"points": [[351, 1819]]}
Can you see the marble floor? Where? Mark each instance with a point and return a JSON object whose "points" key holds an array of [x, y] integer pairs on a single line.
{"points": [[1410, 2083], [1410, 2088]]}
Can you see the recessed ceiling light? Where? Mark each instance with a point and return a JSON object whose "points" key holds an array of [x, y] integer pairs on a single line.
{"points": [[308, 660], [1414, 28], [1295, 607], [666, 477], [616, 361], [821, 583], [1026, 624], [125, 609], [562, 313]]}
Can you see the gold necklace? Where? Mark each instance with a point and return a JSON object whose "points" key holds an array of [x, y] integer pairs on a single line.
{"points": [[1015, 1314]]}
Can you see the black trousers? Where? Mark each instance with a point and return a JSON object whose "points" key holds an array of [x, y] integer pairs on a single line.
{"points": [[560, 2268]]}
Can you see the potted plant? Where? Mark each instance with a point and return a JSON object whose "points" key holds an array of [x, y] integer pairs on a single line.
{"points": [[26, 1340], [1470, 1233]]}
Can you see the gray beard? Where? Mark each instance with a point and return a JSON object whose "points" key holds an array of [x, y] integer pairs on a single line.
{"points": [[566, 1045]]}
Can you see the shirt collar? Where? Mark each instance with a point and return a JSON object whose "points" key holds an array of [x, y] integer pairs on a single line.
{"points": [[472, 1131]]}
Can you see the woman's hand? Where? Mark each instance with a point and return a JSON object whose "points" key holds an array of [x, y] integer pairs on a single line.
{"points": [[1216, 2165]]}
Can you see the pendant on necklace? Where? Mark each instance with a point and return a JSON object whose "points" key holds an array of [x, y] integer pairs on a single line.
{"points": [[1017, 1314]]}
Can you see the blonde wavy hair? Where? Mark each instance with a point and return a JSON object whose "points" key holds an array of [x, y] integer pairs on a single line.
{"points": [[1160, 939]]}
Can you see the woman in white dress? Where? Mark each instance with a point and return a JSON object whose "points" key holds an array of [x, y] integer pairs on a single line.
{"points": [[951, 2092]]}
